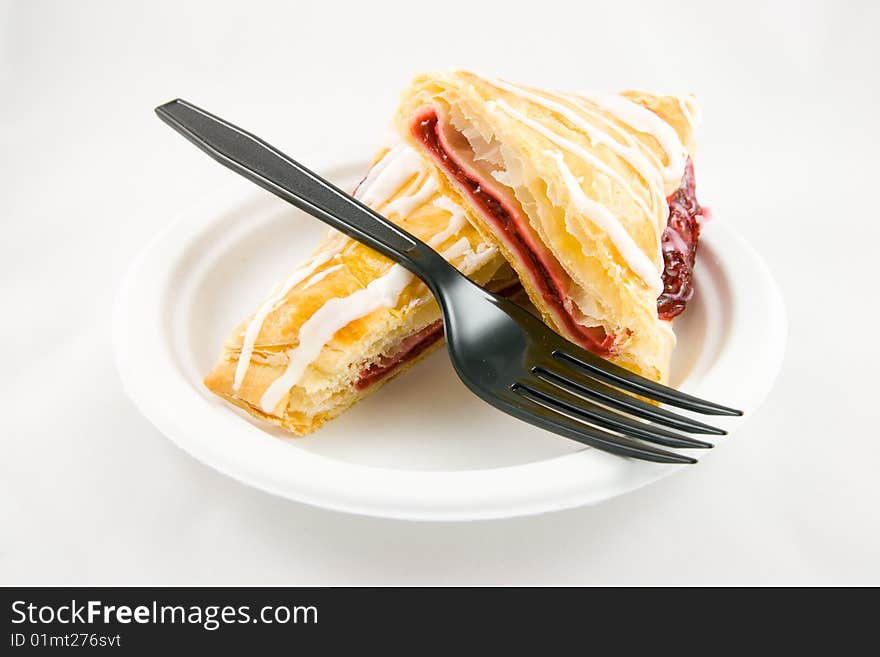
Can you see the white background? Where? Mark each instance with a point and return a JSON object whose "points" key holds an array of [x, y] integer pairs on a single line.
{"points": [[91, 493]]}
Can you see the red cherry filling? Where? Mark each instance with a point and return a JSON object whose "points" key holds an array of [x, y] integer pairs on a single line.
{"points": [[408, 349], [680, 241]]}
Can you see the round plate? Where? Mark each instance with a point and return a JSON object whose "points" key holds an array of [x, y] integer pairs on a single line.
{"points": [[422, 447]]}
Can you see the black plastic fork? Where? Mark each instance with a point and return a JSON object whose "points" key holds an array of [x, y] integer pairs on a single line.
{"points": [[501, 352]]}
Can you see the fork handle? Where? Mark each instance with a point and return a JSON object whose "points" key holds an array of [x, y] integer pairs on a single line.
{"points": [[271, 169]]}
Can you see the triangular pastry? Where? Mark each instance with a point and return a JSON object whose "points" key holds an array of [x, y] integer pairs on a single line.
{"points": [[348, 319], [590, 197]]}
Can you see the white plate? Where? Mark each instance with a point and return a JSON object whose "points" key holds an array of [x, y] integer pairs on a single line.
{"points": [[422, 447]]}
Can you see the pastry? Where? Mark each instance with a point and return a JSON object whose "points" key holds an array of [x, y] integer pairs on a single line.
{"points": [[348, 319], [589, 196]]}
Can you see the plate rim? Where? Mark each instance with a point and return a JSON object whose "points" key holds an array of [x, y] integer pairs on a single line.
{"points": [[132, 325]]}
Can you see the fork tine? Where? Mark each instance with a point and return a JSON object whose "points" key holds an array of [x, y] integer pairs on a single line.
{"points": [[583, 385], [609, 420], [596, 367], [547, 417]]}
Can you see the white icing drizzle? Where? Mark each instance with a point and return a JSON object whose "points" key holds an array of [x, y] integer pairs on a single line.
{"points": [[389, 175], [320, 276], [632, 155], [406, 203], [638, 262], [572, 147], [472, 260], [253, 328], [460, 248], [657, 182], [625, 246], [376, 170], [651, 164], [319, 329], [456, 220], [646, 121]]}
